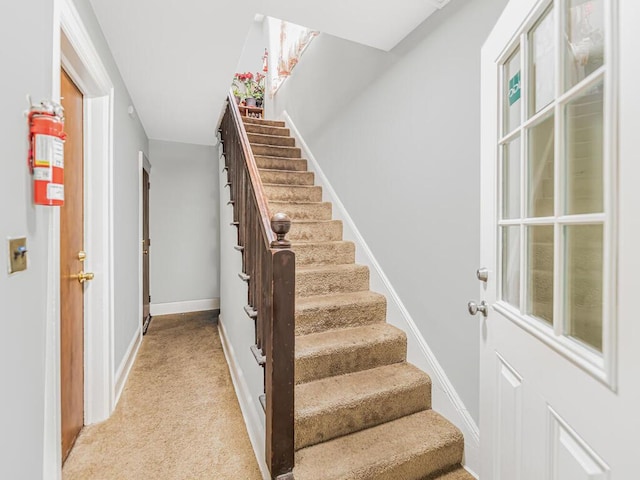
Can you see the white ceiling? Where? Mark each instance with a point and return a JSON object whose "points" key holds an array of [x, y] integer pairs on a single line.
{"points": [[177, 57]]}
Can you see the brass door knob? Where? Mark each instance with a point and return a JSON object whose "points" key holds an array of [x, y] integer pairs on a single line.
{"points": [[83, 277]]}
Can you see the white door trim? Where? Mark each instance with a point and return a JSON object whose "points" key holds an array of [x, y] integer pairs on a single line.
{"points": [[74, 50]]}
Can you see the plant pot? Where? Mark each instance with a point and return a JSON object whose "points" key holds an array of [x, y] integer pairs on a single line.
{"points": [[250, 101], [237, 100], [259, 102]]}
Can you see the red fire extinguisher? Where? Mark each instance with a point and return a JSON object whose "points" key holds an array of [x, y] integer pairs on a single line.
{"points": [[46, 153]]}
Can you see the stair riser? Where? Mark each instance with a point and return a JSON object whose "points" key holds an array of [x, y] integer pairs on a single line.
{"points": [[310, 321], [266, 130], [303, 211], [354, 359], [346, 419], [316, 232], [281, 163], [272, 151], [263, 122], [287, 178], [324, 283], [325, 254], [272, 140], [293, 193]]}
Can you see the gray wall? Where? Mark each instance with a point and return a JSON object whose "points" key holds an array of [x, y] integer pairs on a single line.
{"points": [[184, 222], [27, 60], [129, 138], [398, 135]]}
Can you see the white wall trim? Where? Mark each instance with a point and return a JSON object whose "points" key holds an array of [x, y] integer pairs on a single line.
{"points": [[256, 435], [185, 307], [83, 63], [73, 48], [445, 397], [127, 363]]}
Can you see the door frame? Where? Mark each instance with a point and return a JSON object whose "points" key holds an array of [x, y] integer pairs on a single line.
{"points": [[143, 166], [74, 51]]}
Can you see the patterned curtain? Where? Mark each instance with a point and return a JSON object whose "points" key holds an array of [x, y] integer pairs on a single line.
{"points": [[294, 39]]}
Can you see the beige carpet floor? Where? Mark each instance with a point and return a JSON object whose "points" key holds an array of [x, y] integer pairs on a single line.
{"points": [[178, 417]]}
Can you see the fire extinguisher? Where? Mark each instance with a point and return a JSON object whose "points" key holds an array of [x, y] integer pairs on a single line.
{"points": [[46, 153]]}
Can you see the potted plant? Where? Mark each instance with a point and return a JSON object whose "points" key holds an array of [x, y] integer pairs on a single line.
{"points": [[258, 89], [246, 82], [237, 94], [249, 88]]}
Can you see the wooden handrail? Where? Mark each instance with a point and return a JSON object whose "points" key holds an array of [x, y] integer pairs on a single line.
{"points": [[254, 175], [268, 267]]}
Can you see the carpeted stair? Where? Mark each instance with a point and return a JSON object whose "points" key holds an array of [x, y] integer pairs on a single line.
{"points": [[361, 411]]}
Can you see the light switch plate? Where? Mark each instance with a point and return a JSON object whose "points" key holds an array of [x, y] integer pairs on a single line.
{"points": [[17, 260]]}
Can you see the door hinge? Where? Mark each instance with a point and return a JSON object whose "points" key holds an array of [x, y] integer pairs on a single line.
{"points": [[149, 298]]}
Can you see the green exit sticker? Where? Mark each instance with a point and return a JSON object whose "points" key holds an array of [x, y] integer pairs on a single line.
{"points": [[514, 89]]}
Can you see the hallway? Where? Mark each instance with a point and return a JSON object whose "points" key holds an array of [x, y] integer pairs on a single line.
{"points": [[178, 417]]}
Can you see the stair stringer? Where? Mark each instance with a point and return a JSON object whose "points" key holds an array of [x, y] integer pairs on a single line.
{"points": [[236, 329], [445, 398]]}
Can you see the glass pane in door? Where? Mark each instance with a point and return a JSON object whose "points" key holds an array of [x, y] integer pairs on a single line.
{"points": [[584, 152], [541, 169], [543, 78], [540, 272], [511, 180], [511, 265], [512, 95], [584, 39], [584, 282]]}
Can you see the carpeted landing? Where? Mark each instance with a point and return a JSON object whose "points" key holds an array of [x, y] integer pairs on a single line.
{"points": [[178, 417]]}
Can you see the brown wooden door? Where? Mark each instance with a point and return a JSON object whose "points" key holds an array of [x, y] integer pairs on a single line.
{"points": [[146, 243], [71, 291]]}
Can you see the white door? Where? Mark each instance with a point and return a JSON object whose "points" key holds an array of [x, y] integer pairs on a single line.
{"points": [[560, 216]]}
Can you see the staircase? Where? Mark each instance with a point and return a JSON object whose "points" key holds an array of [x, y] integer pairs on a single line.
{"points": [[361, 411]]}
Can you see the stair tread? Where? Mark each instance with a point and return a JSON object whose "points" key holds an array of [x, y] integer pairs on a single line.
{"points": [[305, 221], [329, 393], [297, 202], [262, 149], [287, 185], [338, 299], [457, 474], [267, 135], [409, 447], [263, 121], [330, 268], [316, 344], [339, 352], [296, 164], [277, 170], [266, 129]]}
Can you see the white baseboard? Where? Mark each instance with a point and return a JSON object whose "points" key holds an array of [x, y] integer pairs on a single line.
{"points": [[256, 434], [122, 374], [445, 398], [185, 307]]}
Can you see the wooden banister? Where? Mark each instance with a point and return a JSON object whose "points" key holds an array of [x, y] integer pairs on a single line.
{"points": [[268, 267]]}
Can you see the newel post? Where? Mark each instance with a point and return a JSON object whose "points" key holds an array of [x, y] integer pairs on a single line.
{"points": [[280, 224], [279, 381]]}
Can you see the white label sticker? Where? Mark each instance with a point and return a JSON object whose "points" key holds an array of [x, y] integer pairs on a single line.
{"points": [[49, 151], [42, 173], [58, 153], [55, 191], [44, 150]]}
